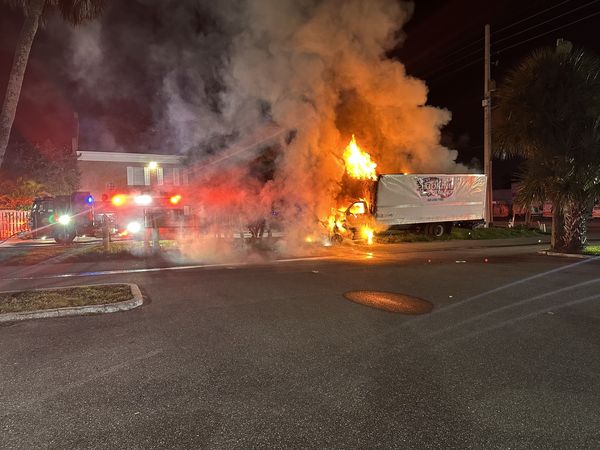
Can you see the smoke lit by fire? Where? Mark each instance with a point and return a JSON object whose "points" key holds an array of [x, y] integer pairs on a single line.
{"points": [[306, 74]]}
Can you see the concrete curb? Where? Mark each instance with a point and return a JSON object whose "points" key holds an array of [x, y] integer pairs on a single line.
{"points": [[134, 302], [568, 255]]}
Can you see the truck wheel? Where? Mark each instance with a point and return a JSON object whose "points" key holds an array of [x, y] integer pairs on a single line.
{"points": [[436, 229], [64, 237]]}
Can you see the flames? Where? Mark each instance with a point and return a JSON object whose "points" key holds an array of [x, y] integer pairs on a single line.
{"points": [[358, 162], [359, 166], [367, 233]]}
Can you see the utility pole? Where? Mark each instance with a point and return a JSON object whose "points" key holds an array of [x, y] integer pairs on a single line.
{"points": [[487, 131], [75, 138]]}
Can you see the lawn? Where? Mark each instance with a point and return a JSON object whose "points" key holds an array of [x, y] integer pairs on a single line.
{"points": [[77, 253], [12, 302], [592, 250], [395, 236]]}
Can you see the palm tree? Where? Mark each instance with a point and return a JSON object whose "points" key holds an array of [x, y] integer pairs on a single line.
{"points": [[549, 107], [74, 12]]}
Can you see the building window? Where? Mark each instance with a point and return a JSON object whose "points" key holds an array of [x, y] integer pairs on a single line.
{"points": [[138, 176]]}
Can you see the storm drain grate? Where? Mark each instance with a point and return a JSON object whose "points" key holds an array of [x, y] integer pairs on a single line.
{"points": [[389, 301]]}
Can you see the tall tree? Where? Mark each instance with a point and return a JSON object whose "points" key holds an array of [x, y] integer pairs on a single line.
{"points": [[550, 115], [74, 12], [32, 168]]}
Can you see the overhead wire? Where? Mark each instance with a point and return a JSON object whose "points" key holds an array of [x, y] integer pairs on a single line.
{"points": [[545, 22], [529, 17], [496, 52], [480, 40], [546, 33], [464, 47]]}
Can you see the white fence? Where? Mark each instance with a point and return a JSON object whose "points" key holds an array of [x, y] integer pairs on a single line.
{"points": [[11, 222]]}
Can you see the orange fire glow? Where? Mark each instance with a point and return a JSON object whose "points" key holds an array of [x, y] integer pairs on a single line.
{"points": [[360, 166], [367, 233], [358, 162]]}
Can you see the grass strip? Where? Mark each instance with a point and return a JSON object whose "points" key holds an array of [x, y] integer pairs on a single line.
{"points": [[11, 302], [593, 250], [78, 253], [396, 236]]}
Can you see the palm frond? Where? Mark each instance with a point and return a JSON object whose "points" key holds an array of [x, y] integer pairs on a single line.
{"points": [[78, 12]]}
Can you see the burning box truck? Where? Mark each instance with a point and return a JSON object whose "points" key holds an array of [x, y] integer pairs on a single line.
{"points": [[430, 203]]}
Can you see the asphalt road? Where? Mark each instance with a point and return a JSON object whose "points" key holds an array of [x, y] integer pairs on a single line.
{"points": [[271, 355]]}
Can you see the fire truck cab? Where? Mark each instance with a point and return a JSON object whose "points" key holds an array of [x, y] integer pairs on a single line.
{"points": [[62, 217]]}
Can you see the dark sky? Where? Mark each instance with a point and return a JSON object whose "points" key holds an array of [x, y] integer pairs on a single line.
{"points": [[443, 46]]}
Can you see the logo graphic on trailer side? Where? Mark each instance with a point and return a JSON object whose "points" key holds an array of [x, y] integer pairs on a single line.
{"points": [[435, 188]]}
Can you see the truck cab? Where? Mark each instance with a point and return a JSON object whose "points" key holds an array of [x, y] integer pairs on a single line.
{"points": [[62, 217], [357, 215]]}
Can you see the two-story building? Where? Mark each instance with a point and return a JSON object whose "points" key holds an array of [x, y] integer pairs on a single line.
{"points": [[105, 173]]}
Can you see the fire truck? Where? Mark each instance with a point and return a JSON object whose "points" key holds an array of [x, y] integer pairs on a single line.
{"points": [[132, 214], [62, 217], [65, 217]]}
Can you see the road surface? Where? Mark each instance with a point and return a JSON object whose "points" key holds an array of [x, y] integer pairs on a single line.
{"points": [[271, 355]]}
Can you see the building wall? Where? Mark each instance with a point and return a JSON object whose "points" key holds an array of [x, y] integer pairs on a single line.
{"points": [[96, 176], [128, 173]]}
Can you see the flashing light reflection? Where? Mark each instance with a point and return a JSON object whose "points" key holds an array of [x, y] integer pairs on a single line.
{"points": [[118, 200], [64, 219], [134, 227], [143, 199]]}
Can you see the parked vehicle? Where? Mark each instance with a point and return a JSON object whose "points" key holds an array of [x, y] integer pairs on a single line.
{"points": [[501, 208], [62, 217], [432, 203]]}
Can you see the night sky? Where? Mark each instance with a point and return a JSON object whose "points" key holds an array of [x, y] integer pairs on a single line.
{"points": [[443, 45]]}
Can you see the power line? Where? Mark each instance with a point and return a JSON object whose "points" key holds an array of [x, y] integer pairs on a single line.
{"points": [[545, 22], [529, 17], [547, 32], [478, 41], [459, 69], [463, 48], [508, 47]]}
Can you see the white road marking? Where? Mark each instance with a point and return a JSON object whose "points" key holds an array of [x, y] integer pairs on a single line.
{"points": [[228, 265]]}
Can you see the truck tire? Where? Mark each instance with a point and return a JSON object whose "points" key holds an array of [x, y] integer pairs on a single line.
{"points": [[64, 237], [435, 229]]}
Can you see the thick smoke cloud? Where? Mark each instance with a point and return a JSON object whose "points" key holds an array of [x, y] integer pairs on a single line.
{"points": [[213, 73]]}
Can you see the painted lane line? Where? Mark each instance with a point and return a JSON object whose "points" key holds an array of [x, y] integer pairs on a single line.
{"points": [[160, 269]]}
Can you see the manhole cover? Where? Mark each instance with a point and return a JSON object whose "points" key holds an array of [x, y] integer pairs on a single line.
{"points": [[389, 301]]}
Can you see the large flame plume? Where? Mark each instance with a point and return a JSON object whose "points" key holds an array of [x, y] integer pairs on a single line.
{"points": [[358, 163]]}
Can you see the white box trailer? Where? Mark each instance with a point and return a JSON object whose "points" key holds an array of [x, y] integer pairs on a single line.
{"points": [[430, 202], [416, 198]]}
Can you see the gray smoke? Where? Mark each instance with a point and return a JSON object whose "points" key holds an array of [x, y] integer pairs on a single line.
{"points": [[213, 73]]}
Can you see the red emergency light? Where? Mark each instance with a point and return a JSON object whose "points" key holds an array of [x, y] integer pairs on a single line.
{"points": [[175, 199]]}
